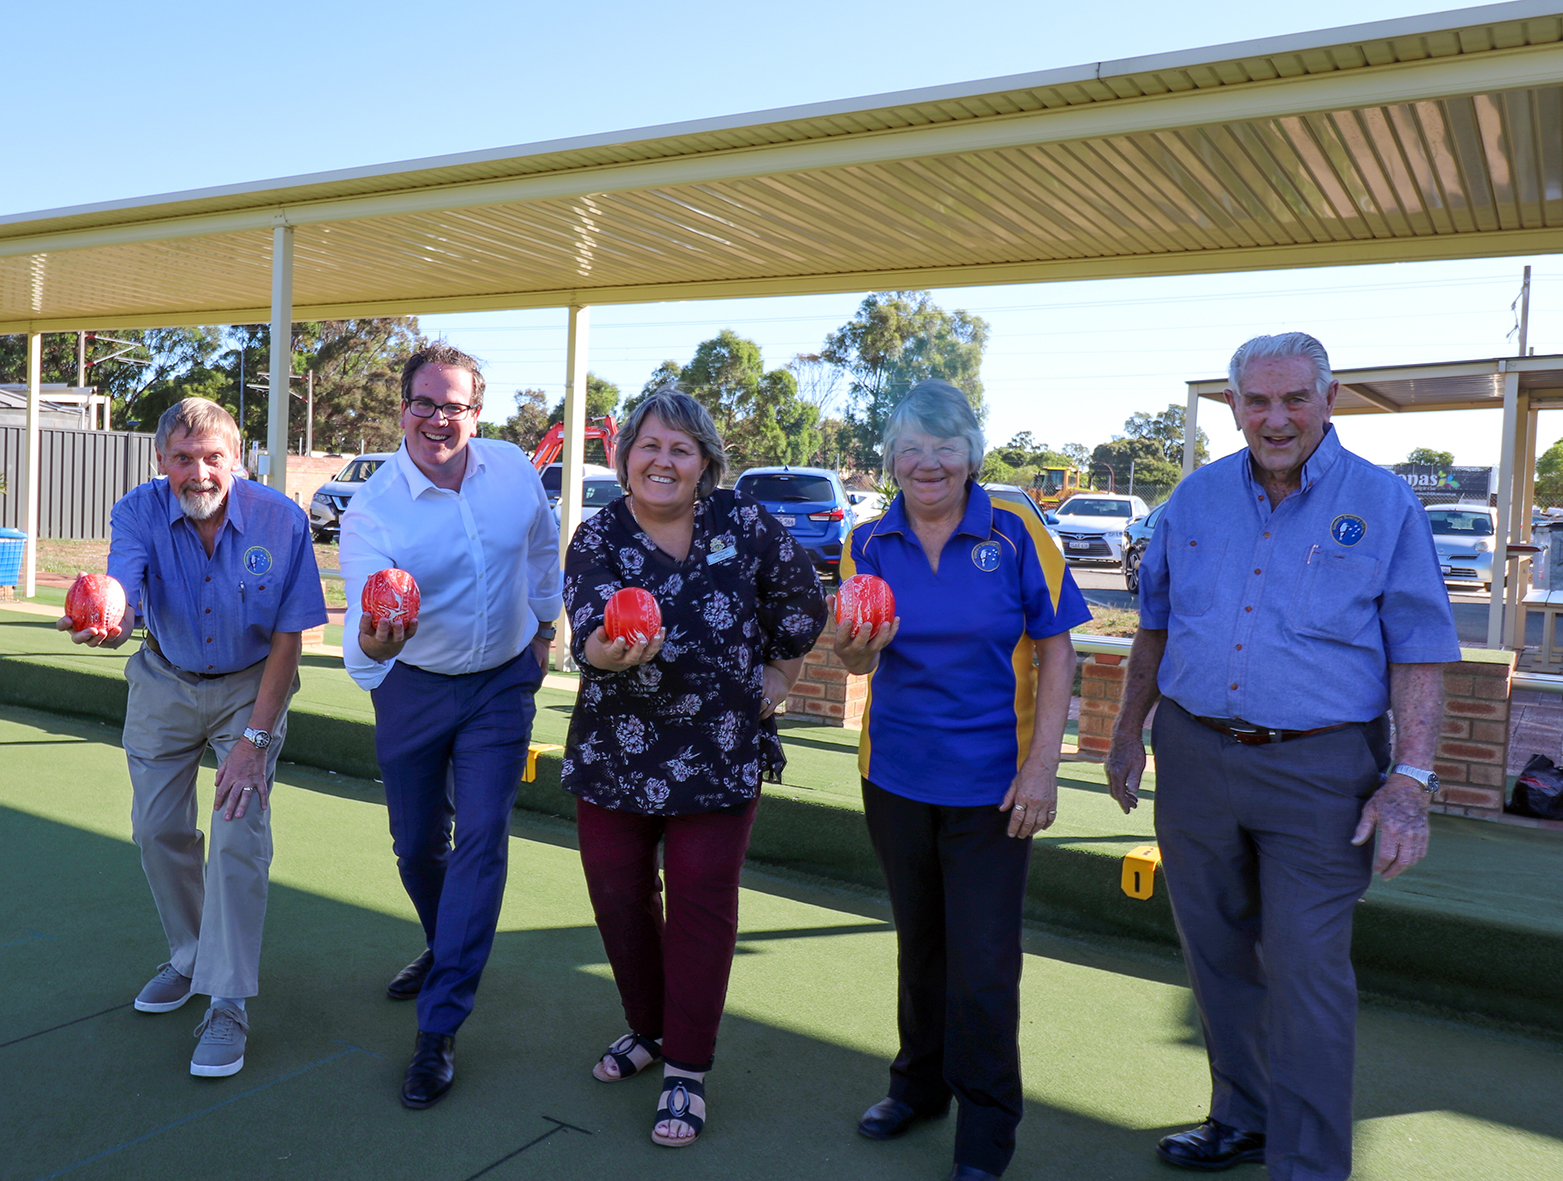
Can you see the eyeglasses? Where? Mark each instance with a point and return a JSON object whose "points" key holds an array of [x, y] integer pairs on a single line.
{"points": [[426, 408]]}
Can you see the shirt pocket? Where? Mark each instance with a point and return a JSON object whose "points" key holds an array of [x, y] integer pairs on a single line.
{"points": [[1338, 596], [1193, 570]]}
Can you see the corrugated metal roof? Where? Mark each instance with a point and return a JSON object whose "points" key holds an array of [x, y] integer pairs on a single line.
{"points": [[1434, 136]]}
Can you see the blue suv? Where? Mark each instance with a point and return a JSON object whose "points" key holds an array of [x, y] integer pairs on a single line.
{"points": [[812, 502]]}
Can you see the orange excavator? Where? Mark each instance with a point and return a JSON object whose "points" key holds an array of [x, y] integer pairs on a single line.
{"points": [[604, 430]]}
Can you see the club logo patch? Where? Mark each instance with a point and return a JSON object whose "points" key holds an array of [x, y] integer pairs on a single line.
{"points": [[257, 559], [1347, 529], [985, 556]]}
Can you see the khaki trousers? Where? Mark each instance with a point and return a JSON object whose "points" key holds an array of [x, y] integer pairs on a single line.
{"points": [[212, 907]]}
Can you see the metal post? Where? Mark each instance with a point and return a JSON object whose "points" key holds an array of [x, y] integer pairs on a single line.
{"points": [[281, 355], [1190, 430], [574, 443], [31, 464], [1500, 548], [309, 414], [81, 378], [1525, 313], [1519, 517], [241, 397]]}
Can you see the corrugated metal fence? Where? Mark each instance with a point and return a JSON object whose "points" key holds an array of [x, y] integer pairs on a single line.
{"points": [[82, 474]]}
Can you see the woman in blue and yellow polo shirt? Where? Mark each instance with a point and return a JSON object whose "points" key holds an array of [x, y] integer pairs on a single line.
{"points": [[959, 752]]}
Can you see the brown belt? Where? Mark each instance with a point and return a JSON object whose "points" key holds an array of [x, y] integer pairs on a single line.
{"points": [[151, 642], [1251, 735]]}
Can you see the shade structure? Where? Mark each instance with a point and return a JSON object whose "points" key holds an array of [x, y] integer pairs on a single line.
{"points": [[1437, 136]]}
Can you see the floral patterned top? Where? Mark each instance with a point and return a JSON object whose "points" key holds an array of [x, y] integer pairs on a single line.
{"points": [[682, 733]]}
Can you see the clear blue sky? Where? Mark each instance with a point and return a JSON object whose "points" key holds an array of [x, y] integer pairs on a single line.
{"points": [[160, 97]]}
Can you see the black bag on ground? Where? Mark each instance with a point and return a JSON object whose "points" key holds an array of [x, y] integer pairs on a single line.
{"points": [[1539, 790]]}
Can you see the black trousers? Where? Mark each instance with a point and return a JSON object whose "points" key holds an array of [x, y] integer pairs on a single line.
{"points": [[957, 885]]}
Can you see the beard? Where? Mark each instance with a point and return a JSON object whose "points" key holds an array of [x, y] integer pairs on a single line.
{"points": [[201, 502]]}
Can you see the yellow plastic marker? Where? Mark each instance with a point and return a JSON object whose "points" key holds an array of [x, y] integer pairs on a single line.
{"points": [[532, 751], [1139, 870]]}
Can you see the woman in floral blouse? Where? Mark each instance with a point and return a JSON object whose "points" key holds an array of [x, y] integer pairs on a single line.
{"points": [[671, 738]]}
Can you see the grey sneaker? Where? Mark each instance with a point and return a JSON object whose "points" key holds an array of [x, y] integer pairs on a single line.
{"points": [[165, 992], [221, 1050]]}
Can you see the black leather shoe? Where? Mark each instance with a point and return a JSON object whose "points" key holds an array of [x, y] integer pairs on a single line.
{"points": [[408, 983], [890, 1118], [433, 1067], [1211, 1147], [971, 1173]]}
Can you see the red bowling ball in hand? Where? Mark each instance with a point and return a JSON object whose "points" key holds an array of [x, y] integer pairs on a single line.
{"points": [[96, 603], [632, 615], [865, 600], [391, 596]]}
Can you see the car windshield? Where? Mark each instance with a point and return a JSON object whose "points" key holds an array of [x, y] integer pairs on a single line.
{"points": [[553, 477], [358, 471], [788, 488], [1461, 524], [600, 492], [1080, 507], [1017, 498]]}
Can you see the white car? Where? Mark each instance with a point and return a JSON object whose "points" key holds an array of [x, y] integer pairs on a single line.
{"points": [[1463, 535], [1015, 495], [1090, 525]]}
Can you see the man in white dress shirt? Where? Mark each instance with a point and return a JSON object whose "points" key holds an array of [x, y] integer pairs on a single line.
{"points": [[453, 692]]}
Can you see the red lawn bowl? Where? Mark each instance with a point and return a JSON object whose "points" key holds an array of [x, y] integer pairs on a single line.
{"points": [[391, 596], [632, 615], [865, 600], [95, 603]]}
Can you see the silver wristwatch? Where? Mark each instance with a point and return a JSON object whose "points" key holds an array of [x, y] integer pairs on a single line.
{"points": [[1428, 779], [259, 739]]}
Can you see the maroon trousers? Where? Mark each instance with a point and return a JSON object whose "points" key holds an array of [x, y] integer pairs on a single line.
{"points": [[671, 968]]}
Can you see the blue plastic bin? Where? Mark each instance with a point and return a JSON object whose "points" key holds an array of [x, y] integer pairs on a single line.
{"points": [[13, 548]]}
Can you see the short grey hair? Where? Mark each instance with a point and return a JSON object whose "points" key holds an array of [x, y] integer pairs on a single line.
{"points": [[1279, 347], [196, 416], [939, 409], [674, 409]]}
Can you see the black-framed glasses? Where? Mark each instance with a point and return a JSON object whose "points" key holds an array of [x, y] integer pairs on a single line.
{"points": [[426, 408]]}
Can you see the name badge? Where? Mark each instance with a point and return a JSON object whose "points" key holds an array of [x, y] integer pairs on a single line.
{"points": [[721, 555]]}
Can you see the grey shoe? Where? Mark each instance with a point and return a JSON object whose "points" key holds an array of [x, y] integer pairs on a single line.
{"points": [[221, 1050], [165, 992]]}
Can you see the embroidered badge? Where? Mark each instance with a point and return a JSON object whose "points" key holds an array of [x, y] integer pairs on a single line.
{"points": [[722, 548], [257, 559], [1347, 529], [985, 556]]}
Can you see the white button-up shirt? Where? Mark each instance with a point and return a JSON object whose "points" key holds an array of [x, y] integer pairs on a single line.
{"points": [[485, 556]]}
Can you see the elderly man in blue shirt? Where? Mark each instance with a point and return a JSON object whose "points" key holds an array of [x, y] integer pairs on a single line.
{"points": [[221, 573], [1289, 597]]}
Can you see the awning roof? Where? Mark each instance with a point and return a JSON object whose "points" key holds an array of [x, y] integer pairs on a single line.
{"points": [[1443, 385], [1435, 136]]}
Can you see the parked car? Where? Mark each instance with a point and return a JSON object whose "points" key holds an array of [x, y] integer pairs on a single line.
{"points": [[812, 503], [325, 508], [597, 493], [553, 479], [1015, 495], [1136, 536], [1090, 525], [1463, 535], [867, 505]]}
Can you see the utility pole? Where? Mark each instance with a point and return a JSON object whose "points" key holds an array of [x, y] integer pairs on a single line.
{"points": [[1525, 313], [241, 397], [309, 415]]}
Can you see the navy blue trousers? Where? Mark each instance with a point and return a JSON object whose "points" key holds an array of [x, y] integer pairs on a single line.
{"points": [[478, 725]]}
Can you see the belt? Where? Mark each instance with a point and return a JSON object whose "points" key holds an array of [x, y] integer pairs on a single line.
{"points": [[151, 642], [1250, 735]]}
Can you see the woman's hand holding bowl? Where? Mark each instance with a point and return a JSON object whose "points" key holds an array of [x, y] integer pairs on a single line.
{"points": [[617, 655], [859, 647]]}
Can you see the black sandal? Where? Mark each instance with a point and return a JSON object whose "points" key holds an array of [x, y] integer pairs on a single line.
{"points": [[677, 1091], [620, 1053]]}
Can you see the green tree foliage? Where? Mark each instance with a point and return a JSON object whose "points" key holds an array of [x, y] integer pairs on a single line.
{"points": [[1140, 458], [896, 339], [602, 399], [525, 427], [1019, 460], [759, 415], [1166, 431], [1426, 455], [1549, 477]]}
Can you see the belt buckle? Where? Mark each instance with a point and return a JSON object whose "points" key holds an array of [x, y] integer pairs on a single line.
{"points": [[1259, 735]]}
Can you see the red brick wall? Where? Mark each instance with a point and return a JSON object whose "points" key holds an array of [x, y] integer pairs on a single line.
{"points": [[826, 692], [1101, 690], [1473, 746]]}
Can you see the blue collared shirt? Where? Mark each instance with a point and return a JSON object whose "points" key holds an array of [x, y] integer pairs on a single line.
{"points": [[952, 702], [216, 614], [1289, 617]]}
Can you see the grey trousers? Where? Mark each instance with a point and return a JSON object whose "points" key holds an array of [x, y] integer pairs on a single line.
{"points": [[1256, 846], [212, 907]]}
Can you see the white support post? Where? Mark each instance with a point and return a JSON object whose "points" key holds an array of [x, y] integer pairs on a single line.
{"points": [[1506, 474], [1519, 517], [281, 356], [574, 444], [31, 464], [1190, 430]]}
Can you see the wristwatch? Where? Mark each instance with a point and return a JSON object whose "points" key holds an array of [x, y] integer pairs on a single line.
{"points": [[547, 631], [1428, 779], [259, 739]]}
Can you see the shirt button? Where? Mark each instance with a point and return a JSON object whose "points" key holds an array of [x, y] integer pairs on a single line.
{"points": [[1247, 608], [208, 578], [208, 610], [1234, 684], [1267, 535], [1240, 647], [1193, 543], [208, 639]]}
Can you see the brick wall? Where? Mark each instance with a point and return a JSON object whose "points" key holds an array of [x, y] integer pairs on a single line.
{"points": [[1473, 745], [826, 692], [1101, 689]]}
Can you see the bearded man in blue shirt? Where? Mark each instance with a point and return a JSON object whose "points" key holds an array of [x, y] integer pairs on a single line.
{"points": [[1289, 597], [221, 573]]}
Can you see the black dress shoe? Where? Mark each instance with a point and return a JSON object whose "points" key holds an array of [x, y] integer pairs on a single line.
{"points": [[1211, 1147], [433, 1067], [971, 1173], [408, 983], [890, 1118]]}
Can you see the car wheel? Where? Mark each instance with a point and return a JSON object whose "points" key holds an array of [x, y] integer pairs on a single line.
{"points": [[1131, 572]]}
